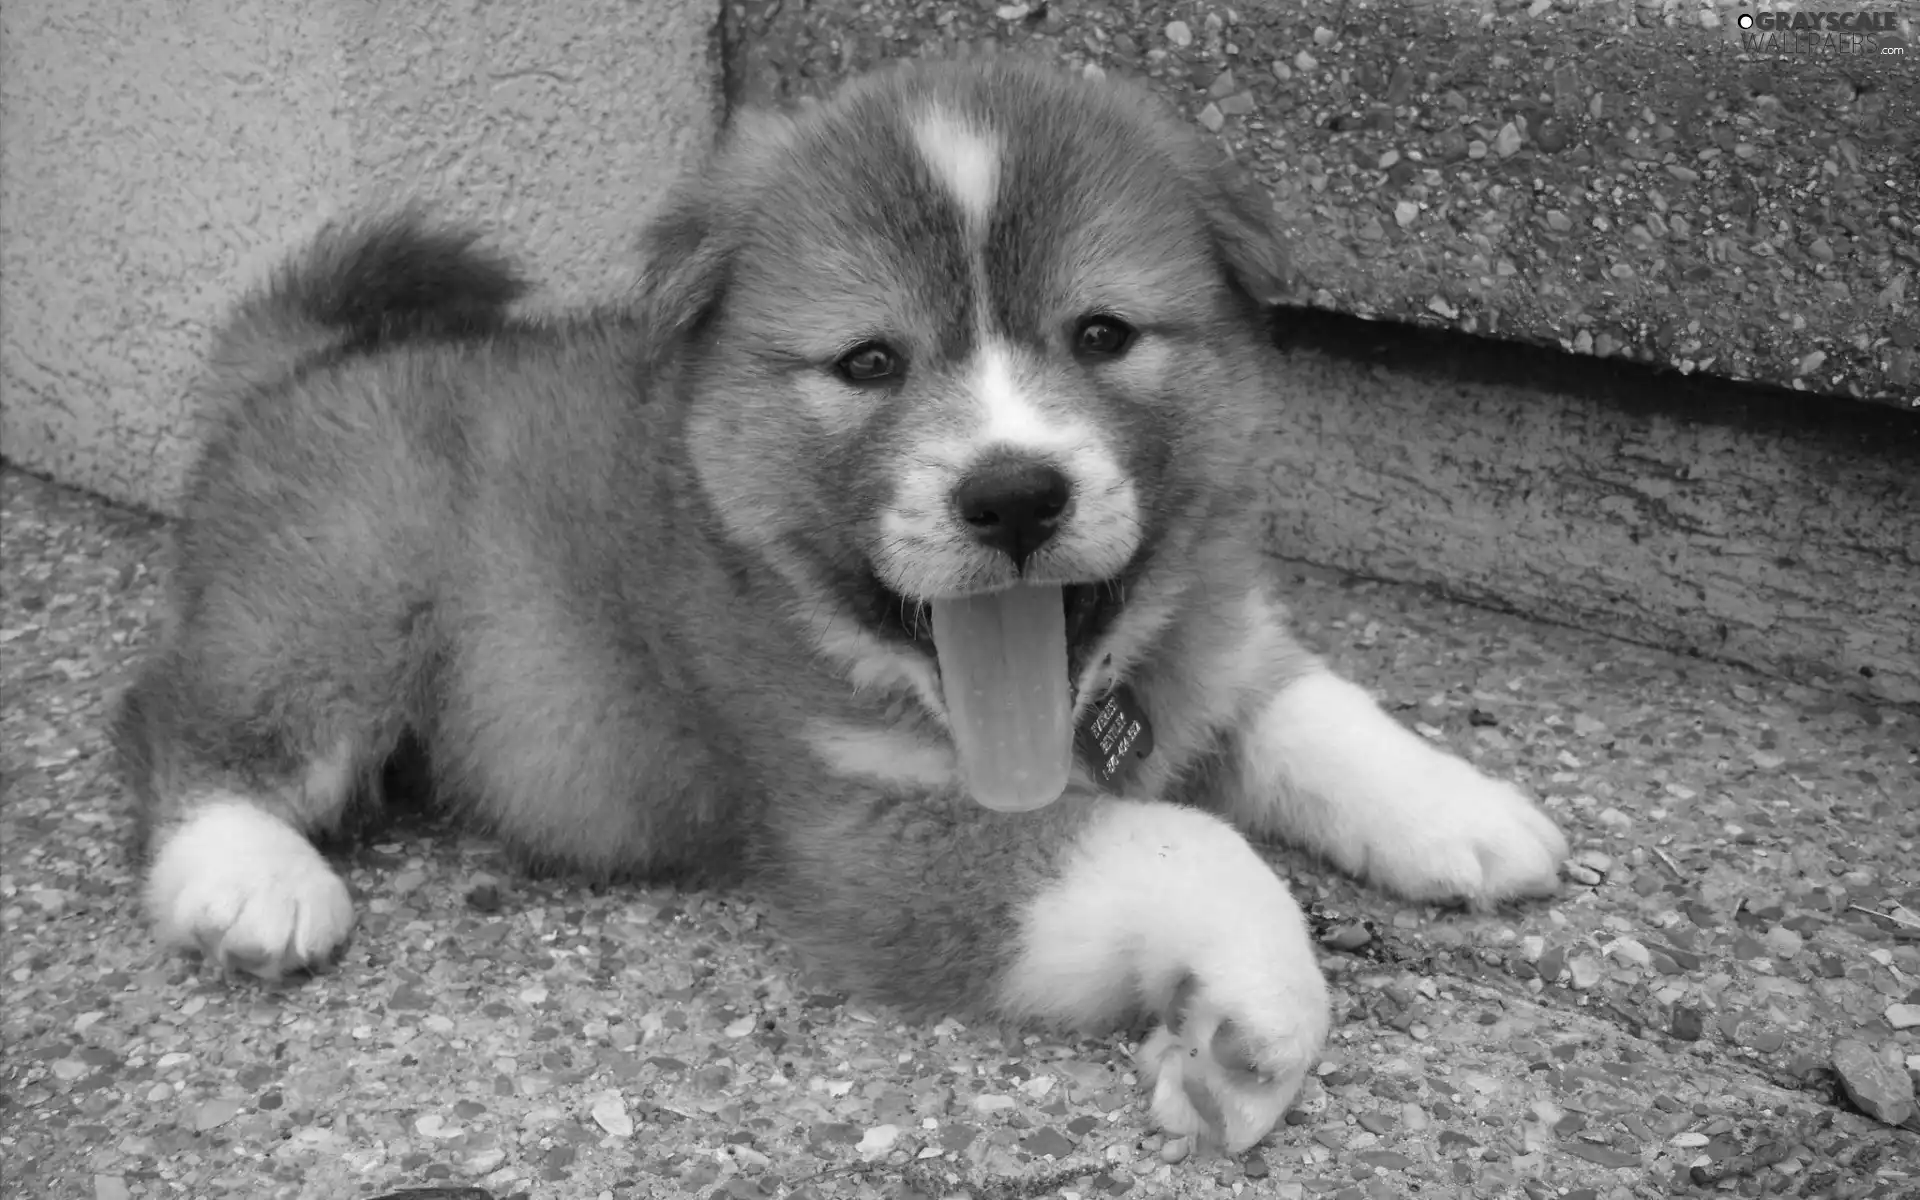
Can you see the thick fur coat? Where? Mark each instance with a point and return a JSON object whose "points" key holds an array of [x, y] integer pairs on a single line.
{"points": [[651, 585]]}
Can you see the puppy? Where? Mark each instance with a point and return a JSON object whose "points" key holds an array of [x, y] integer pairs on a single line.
{"points": [[898, 540]]}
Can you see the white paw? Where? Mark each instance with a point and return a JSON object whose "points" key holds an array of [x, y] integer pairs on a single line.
{"points": [[1454, 833], [1328, 769], [1227, 1078], [248, 890]]}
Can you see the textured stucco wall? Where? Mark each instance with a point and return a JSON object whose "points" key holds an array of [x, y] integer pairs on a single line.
{"points": [[156, 158]]}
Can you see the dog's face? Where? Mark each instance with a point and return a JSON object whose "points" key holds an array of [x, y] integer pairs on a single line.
{"points": [[962, 326]]}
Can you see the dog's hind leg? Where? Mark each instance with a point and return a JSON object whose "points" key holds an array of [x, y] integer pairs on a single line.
{"points": [[250, 730], [230, 871]]}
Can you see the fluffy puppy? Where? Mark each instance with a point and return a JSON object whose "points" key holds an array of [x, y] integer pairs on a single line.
{"points": [[898, 540]]}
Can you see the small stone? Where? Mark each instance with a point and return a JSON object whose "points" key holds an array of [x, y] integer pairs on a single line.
{"points": [[1305, 63], [1811, 362], [1821, 249], [1212, 119], [1179, 34], [1584, 876], [408, 881], [1405, 213], [214, 1113], [1282, 71], [1875, 1081], [1350, 936], [1784, 943], [1595, 860], [1688, 1023], [610, 1113], [1322, 36], [110, 1187], [1630, 950], [1585, 971], [1683, 174], [1476, 149], [1237, 105], [878, 1141], [1558, 221], [991, 1103], [1048, 1142], [1903, 1016], [1176, 1150], [1438, 304], [1507, 142], [482, 1162], [1552, 137], [433, 1125]]}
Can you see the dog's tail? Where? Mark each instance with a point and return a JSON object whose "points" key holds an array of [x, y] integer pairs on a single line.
{"points": [[360, 284]]}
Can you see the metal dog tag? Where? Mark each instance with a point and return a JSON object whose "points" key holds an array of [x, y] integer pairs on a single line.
{"points": [[1114, 734]]}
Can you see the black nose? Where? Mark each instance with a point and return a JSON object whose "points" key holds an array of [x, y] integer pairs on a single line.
{"points": [[1013, 505]]}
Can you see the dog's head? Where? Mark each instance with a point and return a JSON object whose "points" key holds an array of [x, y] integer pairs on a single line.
{"points": [[961, 325]]}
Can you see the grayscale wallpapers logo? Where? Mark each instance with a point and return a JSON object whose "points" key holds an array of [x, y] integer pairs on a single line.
{"points": [[1824, 33]]}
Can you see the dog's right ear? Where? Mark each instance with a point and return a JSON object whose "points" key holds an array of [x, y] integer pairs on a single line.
{"points": [[688, 248], [683, 268]]}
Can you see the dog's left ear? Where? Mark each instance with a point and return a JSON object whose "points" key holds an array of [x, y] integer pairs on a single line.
{"points": [[1239, 218]]}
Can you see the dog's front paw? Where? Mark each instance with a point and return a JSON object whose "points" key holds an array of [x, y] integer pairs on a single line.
{"points": [[1455, 834], [1224, 1076], [247, 890]]}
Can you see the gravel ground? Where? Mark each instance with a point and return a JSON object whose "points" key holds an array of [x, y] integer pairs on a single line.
{"points": [[1747, 898], [1613, 179]]}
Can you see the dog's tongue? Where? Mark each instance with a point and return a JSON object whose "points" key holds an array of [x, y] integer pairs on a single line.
{"points": [[1003, 667]]}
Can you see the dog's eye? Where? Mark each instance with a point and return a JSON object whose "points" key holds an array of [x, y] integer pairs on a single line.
{"points": [[869, 362], [1102, 337]]}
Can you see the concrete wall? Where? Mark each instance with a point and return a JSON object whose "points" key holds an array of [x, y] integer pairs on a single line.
{"points": [[1758, 526], [155, 158]]}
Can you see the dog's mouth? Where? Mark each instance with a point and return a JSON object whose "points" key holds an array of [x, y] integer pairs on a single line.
{"points": [[1090, 611], [1008, 662]]}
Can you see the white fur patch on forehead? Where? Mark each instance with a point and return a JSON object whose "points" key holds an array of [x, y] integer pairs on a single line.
{"points": [[964, 156]]}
